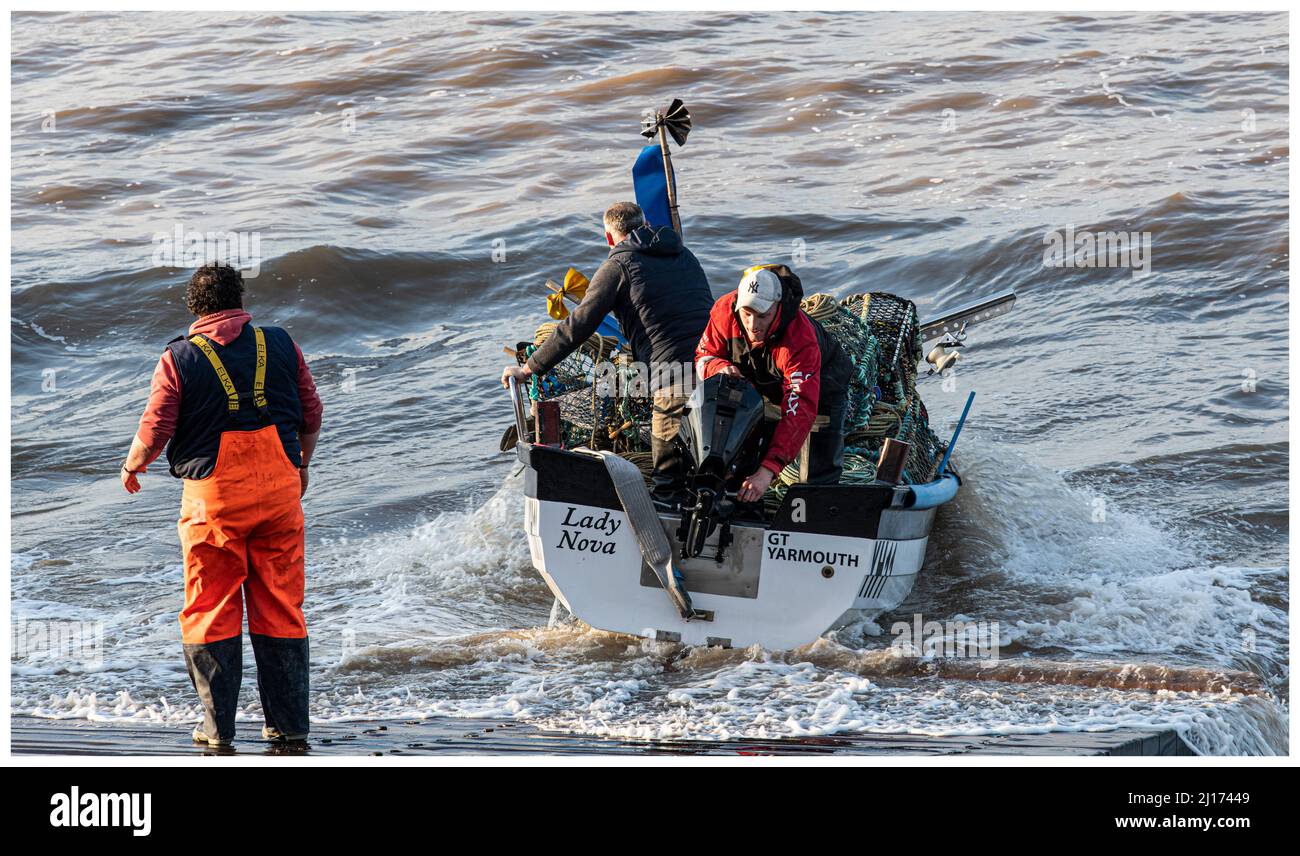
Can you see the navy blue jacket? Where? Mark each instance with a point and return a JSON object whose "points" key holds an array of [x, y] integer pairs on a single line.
{"points": [[204, 414], [656, 289]]}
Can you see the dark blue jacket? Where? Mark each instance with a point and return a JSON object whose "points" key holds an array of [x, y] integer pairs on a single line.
{"points": [[204, 414], [656, 289]]}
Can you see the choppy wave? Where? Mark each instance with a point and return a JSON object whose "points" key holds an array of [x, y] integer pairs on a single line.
{"points": [[414, 179]]}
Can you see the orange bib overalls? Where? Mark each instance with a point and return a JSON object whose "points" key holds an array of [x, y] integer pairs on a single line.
{"points": [[241, 533]]}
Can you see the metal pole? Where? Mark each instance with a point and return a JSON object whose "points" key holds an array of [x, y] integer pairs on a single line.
{"points": [[943, 465], [668, 177], [517, 399]]}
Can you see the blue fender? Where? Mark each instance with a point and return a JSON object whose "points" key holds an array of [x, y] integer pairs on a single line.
{"points": [[932, 493]]}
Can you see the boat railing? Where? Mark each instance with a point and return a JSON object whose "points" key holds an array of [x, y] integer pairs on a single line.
{"points": [[517, 400]]}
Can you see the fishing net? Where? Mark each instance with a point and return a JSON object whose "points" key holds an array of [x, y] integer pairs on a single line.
{"points": [[896, 408], [881, 334], [595, 410], [862, 348]]}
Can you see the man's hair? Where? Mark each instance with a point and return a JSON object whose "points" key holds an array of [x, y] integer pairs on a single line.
{"points": [[624, 217], [213, 288]]}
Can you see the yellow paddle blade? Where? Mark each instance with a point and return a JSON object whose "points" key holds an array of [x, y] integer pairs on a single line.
{"points": [[575, 284], [574, 288], [555, 306]]}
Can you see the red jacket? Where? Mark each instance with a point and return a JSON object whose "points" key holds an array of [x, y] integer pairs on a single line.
{"points": [[786, 369], [159, 420]]}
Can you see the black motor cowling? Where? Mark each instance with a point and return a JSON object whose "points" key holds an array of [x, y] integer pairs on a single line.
{"points": [[720, 437]]}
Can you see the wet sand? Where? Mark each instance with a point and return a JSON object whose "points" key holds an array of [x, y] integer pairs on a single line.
{"points": [[34, 736]]}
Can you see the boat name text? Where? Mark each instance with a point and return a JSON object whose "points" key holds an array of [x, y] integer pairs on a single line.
{"points": [[601, 526]]}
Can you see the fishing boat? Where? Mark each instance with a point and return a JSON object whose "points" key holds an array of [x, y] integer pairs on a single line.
{"points": [[715, 571]]}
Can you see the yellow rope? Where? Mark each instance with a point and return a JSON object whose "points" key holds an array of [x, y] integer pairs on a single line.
{"points": [[820, 306], [597, 347]]}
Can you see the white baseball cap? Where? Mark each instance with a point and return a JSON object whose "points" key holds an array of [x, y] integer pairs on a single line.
{"points": [[759, 290]]}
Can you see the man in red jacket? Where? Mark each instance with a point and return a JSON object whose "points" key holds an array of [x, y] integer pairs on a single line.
{"points": [[759, 332], [237, 409]]}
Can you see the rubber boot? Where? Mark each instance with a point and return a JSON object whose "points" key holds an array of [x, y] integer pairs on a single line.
{"points": [[826, 448], [283, 683], [216, 670], [669, 480], [667, 474]]}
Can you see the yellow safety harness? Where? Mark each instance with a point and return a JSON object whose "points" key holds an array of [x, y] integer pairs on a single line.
{"points": [[259, 375]]}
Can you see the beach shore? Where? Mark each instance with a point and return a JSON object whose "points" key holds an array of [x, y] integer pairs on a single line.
{"points": [[35, 736]]}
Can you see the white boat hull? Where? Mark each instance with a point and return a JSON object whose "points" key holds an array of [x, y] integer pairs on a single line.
{"points": [[779, 586]]}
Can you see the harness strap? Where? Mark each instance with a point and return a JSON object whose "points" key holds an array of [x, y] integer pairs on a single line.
{"points": [[232, 397], [259, 374]]}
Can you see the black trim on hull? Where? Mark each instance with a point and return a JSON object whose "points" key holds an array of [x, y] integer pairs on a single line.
{"points": [[852, 510], [556, 475]]}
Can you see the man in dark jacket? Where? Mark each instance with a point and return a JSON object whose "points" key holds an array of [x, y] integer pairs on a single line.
{"points": [[759, 332], [658, 292]]}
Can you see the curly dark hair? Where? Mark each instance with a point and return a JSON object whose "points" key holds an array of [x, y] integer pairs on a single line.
{"points": [[213, 288]]}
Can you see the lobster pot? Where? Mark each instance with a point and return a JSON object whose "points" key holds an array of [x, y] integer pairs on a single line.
{"points": [[596, 415], [855, 338], [926, 447], [881, 334], [892, 321]]}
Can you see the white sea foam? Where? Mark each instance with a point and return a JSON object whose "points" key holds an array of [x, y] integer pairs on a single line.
{"points": [[430, 611]]}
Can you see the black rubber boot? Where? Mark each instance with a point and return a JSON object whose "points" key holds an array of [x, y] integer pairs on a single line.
{"points": [[216, 670], [283, 683], [826, 448], [667, 475]]}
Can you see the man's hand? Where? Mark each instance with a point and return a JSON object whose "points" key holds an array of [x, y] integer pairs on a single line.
{"points": [[137, 459], [730, 371], [521, 374], [755, 486], [308, 442], [129, 480]]}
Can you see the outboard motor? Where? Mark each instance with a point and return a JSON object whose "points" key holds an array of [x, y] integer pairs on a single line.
{"points": [[721, 439]]}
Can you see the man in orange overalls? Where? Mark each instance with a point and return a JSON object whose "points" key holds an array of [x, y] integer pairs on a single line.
{"points": [[237, 409]]}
